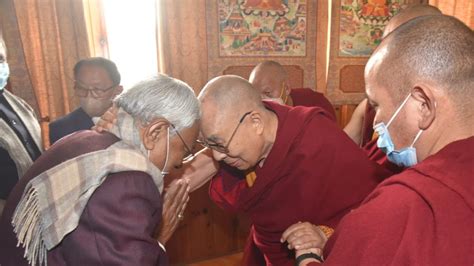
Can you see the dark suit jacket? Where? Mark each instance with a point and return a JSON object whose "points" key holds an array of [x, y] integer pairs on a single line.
{"points": [[70, 123], [117, 225]]}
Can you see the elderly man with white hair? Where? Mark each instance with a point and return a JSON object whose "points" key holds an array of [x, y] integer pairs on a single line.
{"points": [[96, 198]]}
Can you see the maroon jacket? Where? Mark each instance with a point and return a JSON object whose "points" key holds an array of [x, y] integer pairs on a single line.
{"points": [[117, 225]]}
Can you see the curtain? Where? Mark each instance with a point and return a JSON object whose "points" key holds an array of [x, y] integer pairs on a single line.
{"points": [[461, 9], [44, 38], [182, 54], [181, 39]]}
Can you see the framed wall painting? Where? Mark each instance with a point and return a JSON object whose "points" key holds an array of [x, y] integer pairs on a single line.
{"points": [[361, 24], [262, 28]]}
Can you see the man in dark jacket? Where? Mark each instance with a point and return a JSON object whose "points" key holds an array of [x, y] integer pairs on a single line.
{"points": [[96, 83]]}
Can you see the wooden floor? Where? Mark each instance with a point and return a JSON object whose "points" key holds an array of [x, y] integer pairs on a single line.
{"points": [[230, 260]]}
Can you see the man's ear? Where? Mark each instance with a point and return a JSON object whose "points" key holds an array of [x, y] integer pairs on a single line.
{"points": [[257, 122], [118, 90], [154, 131], [426, 105], [287, 87]]}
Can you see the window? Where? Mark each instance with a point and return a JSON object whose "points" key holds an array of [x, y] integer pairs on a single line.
{"points": [[130, 28]]}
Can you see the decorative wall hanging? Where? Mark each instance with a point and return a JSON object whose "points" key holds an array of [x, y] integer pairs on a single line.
{"points": [[362, 23], [262, 27]]}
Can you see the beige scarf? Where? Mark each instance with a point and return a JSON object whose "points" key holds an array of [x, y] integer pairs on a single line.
{"points": [[53, 202], [9, 140]]}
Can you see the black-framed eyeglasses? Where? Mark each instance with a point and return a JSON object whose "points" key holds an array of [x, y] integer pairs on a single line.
{"points": [[190, 155], [224, 148], [83, 90]]}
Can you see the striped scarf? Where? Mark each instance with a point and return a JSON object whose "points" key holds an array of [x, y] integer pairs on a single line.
{"points": [[53, 202], [9, 140]]}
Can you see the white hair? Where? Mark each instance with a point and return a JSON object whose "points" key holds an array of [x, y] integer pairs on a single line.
{"points": [[161, 97]]}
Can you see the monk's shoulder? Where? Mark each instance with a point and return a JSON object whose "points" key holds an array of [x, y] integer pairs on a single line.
{"points": [[313, 119], [390, 205], [394, 194], [318, 131]]}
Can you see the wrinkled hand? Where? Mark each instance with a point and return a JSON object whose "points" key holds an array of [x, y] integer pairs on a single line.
{"points": [[301, 236], [107, 120], [176, 196]]}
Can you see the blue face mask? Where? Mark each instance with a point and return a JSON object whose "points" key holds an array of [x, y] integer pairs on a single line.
{"points": [[4, 74], [404, 157]]}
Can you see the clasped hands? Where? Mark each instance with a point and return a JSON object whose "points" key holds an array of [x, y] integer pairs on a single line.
{"points": [[176, 194], [305, 238]]}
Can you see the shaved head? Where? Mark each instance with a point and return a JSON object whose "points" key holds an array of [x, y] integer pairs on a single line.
{"points": [[231, 95], [408, 14], [271, 68], [271, 80], [433, 50], [235, 124]]}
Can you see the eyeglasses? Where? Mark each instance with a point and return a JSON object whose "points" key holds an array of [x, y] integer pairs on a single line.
{"points": [[219, 147], [190, 155], [82, 90]]}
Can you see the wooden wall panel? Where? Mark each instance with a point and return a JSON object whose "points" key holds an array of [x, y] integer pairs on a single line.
{"points": [[351, 79], [206, 231], [344, 113]]}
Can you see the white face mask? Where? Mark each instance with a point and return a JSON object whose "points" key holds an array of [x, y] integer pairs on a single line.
{"points": [[163, 172], [95, 107], [4, 74]]}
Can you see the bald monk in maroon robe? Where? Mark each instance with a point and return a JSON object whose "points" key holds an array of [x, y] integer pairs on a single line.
{"points": [[271, 79], [306, 167], [360, 127], [424, 215]]}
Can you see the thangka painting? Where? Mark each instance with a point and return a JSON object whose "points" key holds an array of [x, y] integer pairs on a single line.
{"points": [[362, 23], [262, 27]]}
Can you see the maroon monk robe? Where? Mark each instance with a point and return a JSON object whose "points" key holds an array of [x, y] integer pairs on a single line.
{"points": [[423, 216], [377, 155], [314, 172], [310, 98]]}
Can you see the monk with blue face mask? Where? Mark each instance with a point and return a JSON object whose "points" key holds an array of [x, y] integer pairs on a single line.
{"points": [[420, 81]]}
